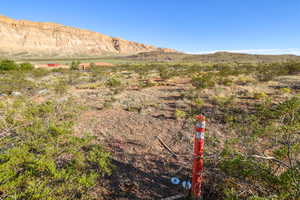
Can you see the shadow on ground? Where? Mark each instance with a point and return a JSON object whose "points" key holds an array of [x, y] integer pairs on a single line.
{"points": [[130, 182]]}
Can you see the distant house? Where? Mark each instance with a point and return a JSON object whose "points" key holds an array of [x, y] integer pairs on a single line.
{"points": [[99, 64], [53, 65]]}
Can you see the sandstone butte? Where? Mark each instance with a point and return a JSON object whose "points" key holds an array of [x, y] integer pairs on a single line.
{"points": [[22, 38]]}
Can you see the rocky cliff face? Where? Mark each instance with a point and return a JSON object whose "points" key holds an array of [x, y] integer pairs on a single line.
{"points": [[21, 38]]}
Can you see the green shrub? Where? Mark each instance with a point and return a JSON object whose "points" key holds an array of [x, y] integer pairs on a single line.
{"points": [[292, 68], [41, 159], [113, 82], [146, 83], [198, 102], [26, 67], [270, 128], [7, 65], [75, 65], [285, 90], [60, 87], [40, 72], [180, 114], [260, 95], [204, 81], [16, 81], [223, 100], [225, 81]]}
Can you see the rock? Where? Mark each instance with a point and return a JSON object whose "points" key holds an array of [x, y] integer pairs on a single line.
{"points": [[42, 92], [16, 94], [48, 39], [62, 99]]}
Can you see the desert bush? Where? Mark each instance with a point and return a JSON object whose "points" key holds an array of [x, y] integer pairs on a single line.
{"points": [[180, 114], [260, 95], [267, 72], [198, 102], [60, 86], [113, 82], [92, 65], [204, 81], [292, 68], [225, 81], [244, 80], [75, 65], [90, 85], [164, 72], [16, 81], [40, 72], [267, 162], [41, 159], [146, 83], [223, 100], [225, 70], [96, 73], [285, 90], [25, 67], [73, 77], [6, 65]]}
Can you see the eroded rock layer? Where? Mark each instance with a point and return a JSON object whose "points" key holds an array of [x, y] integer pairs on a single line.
{"points": [[24, 38]]}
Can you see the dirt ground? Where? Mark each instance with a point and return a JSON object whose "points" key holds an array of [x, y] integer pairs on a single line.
{"points": [[143, 166], [135, 122]]}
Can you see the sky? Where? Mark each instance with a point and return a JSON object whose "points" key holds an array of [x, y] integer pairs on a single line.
{"points": [[192, 26]]}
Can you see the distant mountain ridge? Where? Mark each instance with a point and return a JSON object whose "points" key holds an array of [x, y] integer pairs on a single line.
{"points": [[218, 57], [26, 39]]}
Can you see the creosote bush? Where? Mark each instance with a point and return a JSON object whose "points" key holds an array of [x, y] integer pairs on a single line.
{"points": [[268, 164], [113, 82], [203, 81], [40, 158], [75, 65], [9, 65]]}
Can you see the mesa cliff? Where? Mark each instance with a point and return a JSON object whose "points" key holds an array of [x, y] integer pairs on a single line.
{"points": [[22, 38]]}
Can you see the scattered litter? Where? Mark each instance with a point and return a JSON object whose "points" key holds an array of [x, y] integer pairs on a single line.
{"points": [[175, 180], [186, 185]]}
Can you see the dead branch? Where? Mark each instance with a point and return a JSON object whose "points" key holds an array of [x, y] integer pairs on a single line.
{"points": [[166, 146], [270, 158], [179, 196]]}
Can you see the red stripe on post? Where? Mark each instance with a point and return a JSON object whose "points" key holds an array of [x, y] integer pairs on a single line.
{"points": [[198, 158], [202, 130]]}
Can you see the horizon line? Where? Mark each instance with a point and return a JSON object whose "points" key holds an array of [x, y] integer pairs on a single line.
{"points": [[290, 51]]}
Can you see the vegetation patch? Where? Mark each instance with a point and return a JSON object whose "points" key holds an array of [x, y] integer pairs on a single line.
{"points": [[40, 158]]}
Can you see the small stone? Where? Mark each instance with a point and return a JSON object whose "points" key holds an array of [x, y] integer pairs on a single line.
{"points": [[16, 94], [44, 91], [63, 99]]}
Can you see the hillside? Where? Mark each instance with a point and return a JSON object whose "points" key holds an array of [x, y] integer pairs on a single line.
{"points": [[218, 57], [26, 39]]}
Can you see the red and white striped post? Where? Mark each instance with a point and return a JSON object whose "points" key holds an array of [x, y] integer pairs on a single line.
{"points": [[198, 157]]}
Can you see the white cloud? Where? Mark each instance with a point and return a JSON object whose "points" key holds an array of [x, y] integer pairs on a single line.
{"points": [[294, 51]]}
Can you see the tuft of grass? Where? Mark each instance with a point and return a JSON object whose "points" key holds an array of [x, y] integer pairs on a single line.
{"points": [[260, 95], [113, 82], [180, 114], [285, 90]]}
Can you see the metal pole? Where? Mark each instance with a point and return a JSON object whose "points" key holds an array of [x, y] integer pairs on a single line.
{"points": [[198, 157]]}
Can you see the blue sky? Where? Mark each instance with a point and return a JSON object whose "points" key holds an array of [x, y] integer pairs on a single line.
{"points": [[195, 26]]}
